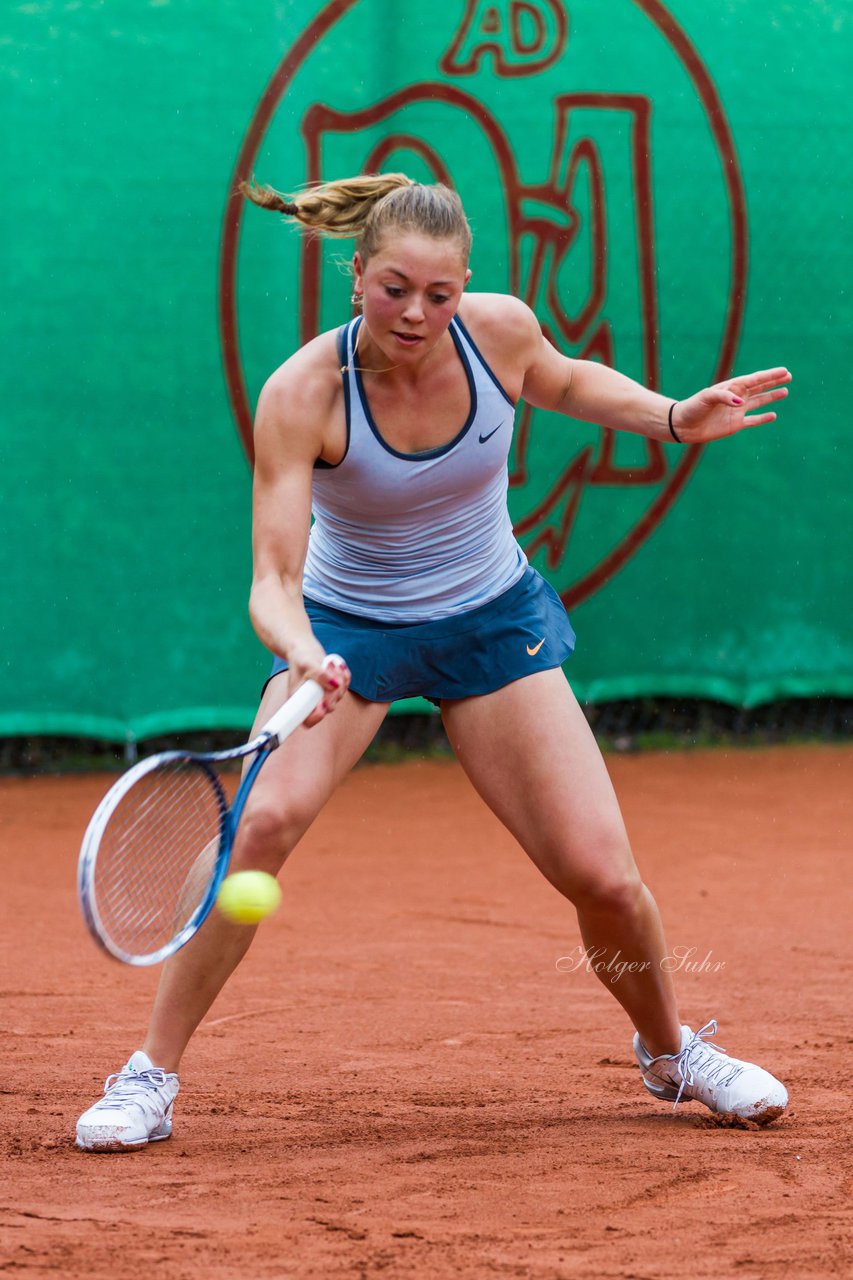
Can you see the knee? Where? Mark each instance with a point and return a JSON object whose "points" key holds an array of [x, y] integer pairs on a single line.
{"points": [[607, 880], [616, 892], [268, 831]]}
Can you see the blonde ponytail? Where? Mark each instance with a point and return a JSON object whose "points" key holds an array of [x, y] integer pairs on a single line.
{"points": [[338, 208], [364, 207]]}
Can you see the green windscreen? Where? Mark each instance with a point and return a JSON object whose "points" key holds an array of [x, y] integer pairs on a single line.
{"points": [[666, 185]]}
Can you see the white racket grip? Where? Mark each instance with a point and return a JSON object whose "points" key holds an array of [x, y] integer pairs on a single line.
{"points": [[298, 706]]}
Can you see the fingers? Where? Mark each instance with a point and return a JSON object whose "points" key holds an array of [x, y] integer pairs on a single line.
{"points": [[758, 401], [729, 406], [755, 391], [307, 661], [334, 677], [754, 383]]}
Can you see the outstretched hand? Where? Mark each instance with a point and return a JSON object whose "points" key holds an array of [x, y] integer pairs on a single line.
{"points": [[722, 410]]}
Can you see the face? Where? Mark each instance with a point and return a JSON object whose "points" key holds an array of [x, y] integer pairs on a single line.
{"points": [[410, 291]]}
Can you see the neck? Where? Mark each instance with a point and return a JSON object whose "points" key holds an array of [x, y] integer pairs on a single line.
{"points": [[368, 357]]}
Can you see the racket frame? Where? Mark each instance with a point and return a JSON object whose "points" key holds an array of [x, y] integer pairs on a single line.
{"points": [[281, 724], [91, 844]]}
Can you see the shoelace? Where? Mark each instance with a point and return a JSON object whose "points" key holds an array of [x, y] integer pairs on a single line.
{"points": [[695, 1054], [119, 1087]]}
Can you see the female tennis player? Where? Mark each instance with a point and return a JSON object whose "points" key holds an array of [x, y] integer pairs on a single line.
{"points": [[395, 432]]}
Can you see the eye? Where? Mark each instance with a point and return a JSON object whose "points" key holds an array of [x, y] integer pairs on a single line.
{"points": [[393, 291], [440, 298]]}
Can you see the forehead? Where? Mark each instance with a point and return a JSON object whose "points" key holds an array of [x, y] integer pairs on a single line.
{"points": [[419, 257]]}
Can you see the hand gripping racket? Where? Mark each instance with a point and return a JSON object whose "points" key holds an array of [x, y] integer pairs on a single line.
{"points": [[158, 845]]}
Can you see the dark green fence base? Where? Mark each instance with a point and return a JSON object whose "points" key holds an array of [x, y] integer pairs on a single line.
{"points": [[630, 725]]}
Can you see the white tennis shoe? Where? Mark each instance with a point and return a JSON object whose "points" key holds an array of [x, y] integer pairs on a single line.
{"points": [[136, 1108], [706, 1073]]}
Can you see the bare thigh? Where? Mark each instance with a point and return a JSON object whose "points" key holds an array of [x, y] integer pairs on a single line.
{"points": [[301, 775], [532, 757]]}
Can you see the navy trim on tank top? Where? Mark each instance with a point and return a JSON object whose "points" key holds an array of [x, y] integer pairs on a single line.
{"points": [[320, 464], [441, 449], [478, 353]]}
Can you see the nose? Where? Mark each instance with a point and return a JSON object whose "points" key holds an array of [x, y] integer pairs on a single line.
{"points": [[414, 309]]}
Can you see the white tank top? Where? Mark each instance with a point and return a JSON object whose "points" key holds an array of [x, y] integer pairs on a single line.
{"points": [[411, 537]]}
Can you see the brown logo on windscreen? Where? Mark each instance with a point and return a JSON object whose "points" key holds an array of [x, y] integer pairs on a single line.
{"points": [[567, 232]]}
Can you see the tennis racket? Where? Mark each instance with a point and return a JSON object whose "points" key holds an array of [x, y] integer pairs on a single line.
{"points": [[158, 845]]}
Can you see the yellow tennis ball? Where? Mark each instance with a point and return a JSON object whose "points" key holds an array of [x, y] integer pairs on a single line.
{"points": [[248, 896]]}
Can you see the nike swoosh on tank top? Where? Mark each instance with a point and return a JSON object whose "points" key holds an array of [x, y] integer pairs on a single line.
{"points": [[409, 537]]}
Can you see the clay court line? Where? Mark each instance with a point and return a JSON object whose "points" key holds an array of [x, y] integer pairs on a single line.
{"points": [[250, 1013]]}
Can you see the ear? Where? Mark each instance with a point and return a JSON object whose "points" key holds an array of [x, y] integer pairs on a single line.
{"points": [[467, 277], [357, 273]]}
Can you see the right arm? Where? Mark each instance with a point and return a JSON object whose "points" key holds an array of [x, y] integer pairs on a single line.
{"points": [[289, 426]]}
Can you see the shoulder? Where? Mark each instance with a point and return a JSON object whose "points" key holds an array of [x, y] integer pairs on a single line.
{"points": [[497, 311], [505, 330], [299, 400], [307, 381]]}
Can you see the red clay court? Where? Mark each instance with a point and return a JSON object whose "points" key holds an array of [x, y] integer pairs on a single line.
{"points": [[401, 1082]]}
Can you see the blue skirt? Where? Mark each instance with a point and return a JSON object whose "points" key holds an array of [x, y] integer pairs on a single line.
{"points": [[526, 629]]}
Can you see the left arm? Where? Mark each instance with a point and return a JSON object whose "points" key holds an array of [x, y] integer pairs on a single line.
{"points": [[595, 393]]}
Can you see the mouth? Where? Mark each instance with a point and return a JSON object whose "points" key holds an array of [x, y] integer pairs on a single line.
{"points": [[407, 339]]}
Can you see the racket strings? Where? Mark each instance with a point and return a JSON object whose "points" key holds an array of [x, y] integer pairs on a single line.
{"points": [[157, 854]]}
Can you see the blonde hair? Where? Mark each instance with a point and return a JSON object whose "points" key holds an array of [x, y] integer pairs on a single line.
{"points": [[366, 207]]}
